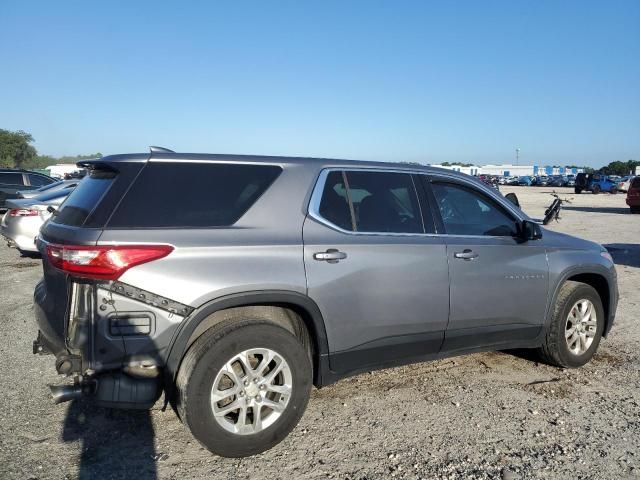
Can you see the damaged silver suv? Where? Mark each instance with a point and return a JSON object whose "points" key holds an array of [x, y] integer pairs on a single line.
{"points": [[235, 283]]}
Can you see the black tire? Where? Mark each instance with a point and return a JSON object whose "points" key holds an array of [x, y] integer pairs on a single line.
{"points": [[635, 209], [613, 191], [577, 190], [204, 360], [554, 349], [596, 189]]}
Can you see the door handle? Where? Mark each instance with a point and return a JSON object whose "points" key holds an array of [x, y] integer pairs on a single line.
{"points": [[466, 254], [332, 255]]}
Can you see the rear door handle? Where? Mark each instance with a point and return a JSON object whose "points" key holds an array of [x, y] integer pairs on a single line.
{"points": [[332, 255], [466, 254]]}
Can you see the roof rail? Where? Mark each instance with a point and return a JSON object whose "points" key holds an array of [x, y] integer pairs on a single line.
{"points": [[155, 149]]}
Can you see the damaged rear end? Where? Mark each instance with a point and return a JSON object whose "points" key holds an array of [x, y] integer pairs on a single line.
{"points": [[110, 337]]}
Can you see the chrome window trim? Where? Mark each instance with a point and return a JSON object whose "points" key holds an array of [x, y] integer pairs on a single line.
{"points": [[313, 210]]}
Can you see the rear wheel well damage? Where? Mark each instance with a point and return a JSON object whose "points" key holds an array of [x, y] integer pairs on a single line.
{"points": [[294, 312], [284, 316], [600, 284]]}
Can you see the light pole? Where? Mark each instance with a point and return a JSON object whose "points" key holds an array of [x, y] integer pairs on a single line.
{"points": [[517, 155]]}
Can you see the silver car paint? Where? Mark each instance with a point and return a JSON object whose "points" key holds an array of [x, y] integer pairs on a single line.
{"points": [[262, 251], [389, 286], [22, 231]]}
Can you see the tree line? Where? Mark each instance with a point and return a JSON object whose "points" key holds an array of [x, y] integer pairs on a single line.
{"points": [[16, 151]]}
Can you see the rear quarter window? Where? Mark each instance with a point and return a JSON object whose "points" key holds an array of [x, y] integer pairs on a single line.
{"points": [[192, 194]]}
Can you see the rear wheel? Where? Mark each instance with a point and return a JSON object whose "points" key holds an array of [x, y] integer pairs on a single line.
{"points": [[596, 189], [576, 326], [635, 209], [243, 387], [577, 190], [613, 190]]}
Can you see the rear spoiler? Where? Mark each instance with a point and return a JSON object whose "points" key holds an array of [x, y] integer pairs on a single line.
{"points": [[107, 163]]}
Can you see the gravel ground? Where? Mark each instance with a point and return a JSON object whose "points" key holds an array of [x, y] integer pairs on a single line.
{"points": [[492, 415]]}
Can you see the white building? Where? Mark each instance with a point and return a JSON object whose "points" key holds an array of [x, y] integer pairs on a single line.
{"points": [[58, 171], [509, 170]]}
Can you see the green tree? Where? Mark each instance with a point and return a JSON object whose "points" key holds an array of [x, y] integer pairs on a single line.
{"points": [[620, 168], [16, 149]]}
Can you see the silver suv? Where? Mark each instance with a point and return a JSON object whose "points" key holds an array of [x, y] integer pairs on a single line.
{"points": [[235, 283]]}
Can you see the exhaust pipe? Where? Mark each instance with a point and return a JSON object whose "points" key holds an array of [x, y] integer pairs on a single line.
{"points": [[65, 393]]}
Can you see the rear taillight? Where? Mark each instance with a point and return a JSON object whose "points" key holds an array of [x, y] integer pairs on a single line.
{"points": [[104, 262], [23, 212]]}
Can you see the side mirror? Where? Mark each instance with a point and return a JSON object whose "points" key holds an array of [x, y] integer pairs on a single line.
{"points": [[530, 231], [513, 198]]}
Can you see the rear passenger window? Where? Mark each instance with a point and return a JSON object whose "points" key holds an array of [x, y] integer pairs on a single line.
{"points": [[371, 202], [11, 178], [192, 194], [334, 205], [39, 180]]}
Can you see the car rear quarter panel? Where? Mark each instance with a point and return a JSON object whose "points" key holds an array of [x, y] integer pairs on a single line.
{"points": [[262, 251]]}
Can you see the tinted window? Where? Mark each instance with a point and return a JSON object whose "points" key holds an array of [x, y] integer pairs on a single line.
{"points": [[381, 201], [192, 194], [466, 211], [11, 178], [635, 183], [334, 205], [39, 180], [77, 207], [384, 202]]}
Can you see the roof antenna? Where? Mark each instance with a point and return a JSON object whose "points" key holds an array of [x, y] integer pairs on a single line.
{"points": [[155, 149]]}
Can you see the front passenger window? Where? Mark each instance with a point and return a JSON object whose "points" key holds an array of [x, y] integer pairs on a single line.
{"points": [[465, 211]]}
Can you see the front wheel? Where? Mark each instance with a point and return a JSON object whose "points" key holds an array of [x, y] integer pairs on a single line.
{"points": [[613, 190], [243, 387], [596, 189], [576, 326]]}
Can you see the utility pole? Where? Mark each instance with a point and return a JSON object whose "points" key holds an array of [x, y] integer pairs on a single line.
{"points": [[517, 155]]}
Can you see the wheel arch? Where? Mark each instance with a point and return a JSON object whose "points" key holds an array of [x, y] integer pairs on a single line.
{"points": [[209, 315], [595, 278]]}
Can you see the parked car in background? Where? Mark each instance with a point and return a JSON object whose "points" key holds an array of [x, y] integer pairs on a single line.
{"points": [[571, 181], [624, 182], [12, 180], [22, 221], [540, 181], [525, 180], [633, 195], [558, 181], [52, 187], [595, 183], [263, 276]]}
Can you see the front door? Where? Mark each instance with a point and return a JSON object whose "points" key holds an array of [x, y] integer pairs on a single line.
{"points": [[380, 281], [499, 284]]}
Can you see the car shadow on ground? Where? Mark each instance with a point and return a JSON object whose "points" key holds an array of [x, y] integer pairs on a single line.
{"points": [[624, 253], [620, 210], [114, 443]]}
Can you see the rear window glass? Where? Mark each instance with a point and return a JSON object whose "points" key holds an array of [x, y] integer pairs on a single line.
{"points": [[635, 183], [39, 180], [79, 205], [10, 178], [192, 195]]}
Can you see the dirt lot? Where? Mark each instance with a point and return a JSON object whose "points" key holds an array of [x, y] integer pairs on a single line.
{"points": [[494, 415]]}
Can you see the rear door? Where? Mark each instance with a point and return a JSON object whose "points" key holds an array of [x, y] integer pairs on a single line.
{"points": [[375, 269], [498, 283]]}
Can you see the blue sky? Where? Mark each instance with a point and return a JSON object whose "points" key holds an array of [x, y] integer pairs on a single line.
{"points": [[394, 80]]}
